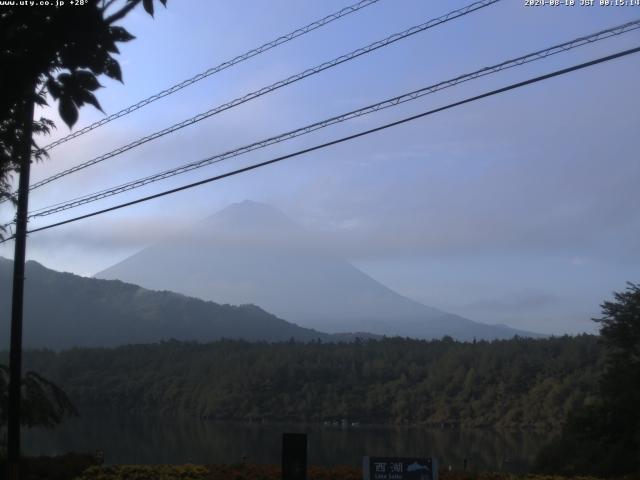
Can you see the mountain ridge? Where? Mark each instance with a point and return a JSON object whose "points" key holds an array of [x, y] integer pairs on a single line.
{"points": [[250, 252], [64, 310]]}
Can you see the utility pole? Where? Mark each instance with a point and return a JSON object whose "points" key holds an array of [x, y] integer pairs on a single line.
{"points": [[15, 355]]}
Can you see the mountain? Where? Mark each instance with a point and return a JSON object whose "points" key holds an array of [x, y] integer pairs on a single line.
{"points": [[252, 253], [63, 310]]}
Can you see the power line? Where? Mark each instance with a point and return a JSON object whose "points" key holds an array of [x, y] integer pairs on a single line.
{"points": [[524, 59], [343, 139], [218, 68], [282, 83]]}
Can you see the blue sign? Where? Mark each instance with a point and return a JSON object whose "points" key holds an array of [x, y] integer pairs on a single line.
{"points": [[399, 468]]}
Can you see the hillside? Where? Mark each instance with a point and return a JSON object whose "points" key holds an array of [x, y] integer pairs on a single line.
{"points": [[252, 253], [63, 310], [519, 383]]}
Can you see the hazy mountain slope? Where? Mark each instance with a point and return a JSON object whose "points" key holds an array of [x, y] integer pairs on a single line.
{"points": [[252, 253], [63, 310]]}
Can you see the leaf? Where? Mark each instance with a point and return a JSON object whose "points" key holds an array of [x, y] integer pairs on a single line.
{"points": [[88, 97], [86, 80], [148, 6], [40, 100], [97, 61], [54, 88], [119, 34], [73, 56], [37, 152], [65, 79], [42, 126], [111, 46], [68, 111], [47, 123], [112, 69]]}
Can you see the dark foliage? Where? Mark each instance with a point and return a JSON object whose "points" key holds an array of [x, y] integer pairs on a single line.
{"points": [[43, 403], [59, 52], [519, 383], [603, 438], [242, 471], [62, 467]]}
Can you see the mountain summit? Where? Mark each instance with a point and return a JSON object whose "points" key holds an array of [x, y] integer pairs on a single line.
{"points": [[250, 215], [252, 253]]}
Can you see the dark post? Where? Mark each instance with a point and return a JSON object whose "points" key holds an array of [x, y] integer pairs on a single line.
{"points": [[294, 456], [15, 356]]}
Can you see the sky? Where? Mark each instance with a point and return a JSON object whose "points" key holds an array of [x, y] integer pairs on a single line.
{"points": [[518, 209]]}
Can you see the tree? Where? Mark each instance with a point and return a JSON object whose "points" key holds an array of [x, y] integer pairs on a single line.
{"points": [[44, 404], [603, 437], [58, 51], [620, 383]]}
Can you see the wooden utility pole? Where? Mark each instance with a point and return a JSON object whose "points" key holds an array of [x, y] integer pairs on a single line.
{"points": [[15, 356]]}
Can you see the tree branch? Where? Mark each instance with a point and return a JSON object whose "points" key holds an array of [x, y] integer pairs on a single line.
{"points": [[106, 5], [122, 12]]}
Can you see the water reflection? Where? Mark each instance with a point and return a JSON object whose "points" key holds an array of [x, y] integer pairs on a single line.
{"points": [[153, 440]]}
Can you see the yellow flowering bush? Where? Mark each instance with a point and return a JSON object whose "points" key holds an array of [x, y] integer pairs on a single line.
{"points": [[146, 472], [268, 472]]}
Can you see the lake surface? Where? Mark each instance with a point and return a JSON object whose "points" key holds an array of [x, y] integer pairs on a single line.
{"points": [[155, 440]]}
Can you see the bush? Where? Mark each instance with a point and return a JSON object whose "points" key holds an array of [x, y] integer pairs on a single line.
{"points": [[62, 467]]}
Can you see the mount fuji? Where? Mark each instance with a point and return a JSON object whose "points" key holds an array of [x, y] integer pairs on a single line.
{"points": [[251, 253]]}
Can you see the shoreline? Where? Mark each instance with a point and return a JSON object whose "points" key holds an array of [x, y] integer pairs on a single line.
{"points": [[343, 424]]}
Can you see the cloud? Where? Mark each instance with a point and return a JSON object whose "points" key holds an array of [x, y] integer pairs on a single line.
{"points": [[114, 233], [510, 302]]}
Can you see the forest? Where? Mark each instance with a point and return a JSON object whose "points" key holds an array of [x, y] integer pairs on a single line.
{"points": [[517, 383]]}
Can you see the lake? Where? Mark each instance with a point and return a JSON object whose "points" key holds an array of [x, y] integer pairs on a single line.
{"points": [[135, 439]]}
